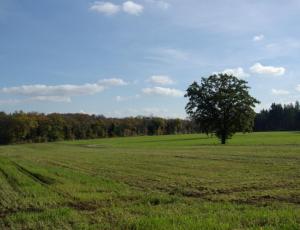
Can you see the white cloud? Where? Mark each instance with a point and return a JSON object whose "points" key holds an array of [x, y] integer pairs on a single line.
{"points": [[58, 93], [37, 98], [107, 8], [298, 87], [63, 90], [261, 106], [129, 7], [9, 101], [161, 80], [168, 55], [273, 46], [50, 98], [174, 53], [133, 8], [284, 47], [112, 82], [57, 90], [121, 98], [85, 113], [161, 112], [269, 70], [153, 111], [237, 72], [159, 3], [163, 5], [163, 91], [146, 111], [280, 92], [258, 38]]}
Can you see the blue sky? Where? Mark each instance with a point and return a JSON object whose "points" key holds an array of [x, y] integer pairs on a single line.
{"points": [[128, 58]]}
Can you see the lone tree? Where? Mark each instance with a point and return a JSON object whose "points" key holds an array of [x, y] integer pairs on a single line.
{"points": [[221, 104]]}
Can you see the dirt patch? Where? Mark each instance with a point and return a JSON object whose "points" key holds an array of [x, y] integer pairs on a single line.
{"points": [[89, 205], [212, 195], [8, 212], [36, 176], [196, 193], [203, 191], [254, 188], [267, 199], [94, 146], [74, 168], [11, 181], [186, 157]]}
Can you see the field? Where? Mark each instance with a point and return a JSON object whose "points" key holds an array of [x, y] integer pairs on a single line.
{"points": [[161, 182]]}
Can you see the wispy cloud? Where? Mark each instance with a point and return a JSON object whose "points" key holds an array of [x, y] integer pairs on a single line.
{"points": [[146, 111], [161, 80], [168, 55], [248, 16], [154, 111], [36, 98], [65, 90], [173, 53], [163, 5], [69, 90], [279, 92], [112, 82], [160, 4], [126, 98], [284, 47], [59, 93]]}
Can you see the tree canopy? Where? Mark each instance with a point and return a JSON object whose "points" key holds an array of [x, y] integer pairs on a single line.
{"points": [[222, 105]]}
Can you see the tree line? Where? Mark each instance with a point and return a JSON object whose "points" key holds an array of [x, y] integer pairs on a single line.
{"points": [[20, 127], [279, 118]]}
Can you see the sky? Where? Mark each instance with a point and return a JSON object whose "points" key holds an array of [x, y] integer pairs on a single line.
{"points": [[127, 58]]}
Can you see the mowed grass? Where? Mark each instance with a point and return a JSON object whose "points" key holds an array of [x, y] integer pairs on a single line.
{"points": [[161, 182]]}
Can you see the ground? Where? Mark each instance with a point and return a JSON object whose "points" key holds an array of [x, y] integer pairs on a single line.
{"points": [[161, 182]]}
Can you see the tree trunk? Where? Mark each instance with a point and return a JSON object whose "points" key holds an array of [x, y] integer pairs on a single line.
{"points": [[223, 138]]}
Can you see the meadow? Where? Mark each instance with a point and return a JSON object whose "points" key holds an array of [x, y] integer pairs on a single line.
{"points": [[157, 182]]}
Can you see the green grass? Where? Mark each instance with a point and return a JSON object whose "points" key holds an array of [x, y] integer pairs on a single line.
{"points": [[163, 182]]}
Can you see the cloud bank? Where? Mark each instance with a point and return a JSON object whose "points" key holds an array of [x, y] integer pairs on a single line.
{"points": [[60, 93]]}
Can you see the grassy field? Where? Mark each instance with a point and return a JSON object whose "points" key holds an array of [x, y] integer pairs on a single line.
{"points": [[163, 182]]}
